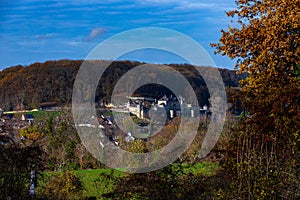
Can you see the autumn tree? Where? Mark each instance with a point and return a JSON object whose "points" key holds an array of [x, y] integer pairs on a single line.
{"points": [[31, 132], [63, 145], [263, 151], [66, 185], [80, 152]]}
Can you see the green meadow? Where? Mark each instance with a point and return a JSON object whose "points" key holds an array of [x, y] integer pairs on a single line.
{"points": [[100, 181]]}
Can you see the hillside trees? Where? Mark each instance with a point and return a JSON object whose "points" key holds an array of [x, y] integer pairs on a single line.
{"points": [[52, 82], [264, 149]]}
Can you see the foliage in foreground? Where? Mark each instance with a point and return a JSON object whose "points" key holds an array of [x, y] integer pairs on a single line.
{"points": [[66, 185], [171, 182], [16, 162], [263, 151]]}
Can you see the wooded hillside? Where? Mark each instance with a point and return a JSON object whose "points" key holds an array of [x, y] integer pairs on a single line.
{"points": [[28, 87]]}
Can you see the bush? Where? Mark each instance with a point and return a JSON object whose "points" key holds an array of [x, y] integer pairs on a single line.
{"points": [[66, 185], [171, 182]]}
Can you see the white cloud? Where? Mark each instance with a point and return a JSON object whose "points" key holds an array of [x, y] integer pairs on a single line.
{"points": [[95, 33], [198, 5], [46, 36], [162, 1], [192, 4], [73, 43]]}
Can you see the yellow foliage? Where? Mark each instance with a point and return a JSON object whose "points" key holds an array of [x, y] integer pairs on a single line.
{"points": [[32, 133], [66, 185], [137, 146], [263, 148]]}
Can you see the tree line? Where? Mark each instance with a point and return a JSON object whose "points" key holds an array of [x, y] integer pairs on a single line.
{"points": [[29, 87]]}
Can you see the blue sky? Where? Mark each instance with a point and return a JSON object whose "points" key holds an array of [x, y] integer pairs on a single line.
{"points": [[36, 31]]}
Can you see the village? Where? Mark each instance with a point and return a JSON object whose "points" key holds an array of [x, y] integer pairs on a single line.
{"points": [[141, 117], [144, 110], [11, 123]]}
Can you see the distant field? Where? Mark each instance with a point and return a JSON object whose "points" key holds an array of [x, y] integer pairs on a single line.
{"points": [[39, 113], [99, 181]]}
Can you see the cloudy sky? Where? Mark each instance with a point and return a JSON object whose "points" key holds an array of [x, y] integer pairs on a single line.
{"points": [[37, 30]]}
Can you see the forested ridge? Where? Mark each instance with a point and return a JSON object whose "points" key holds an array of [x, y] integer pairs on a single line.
{"points": [[28, 87]]}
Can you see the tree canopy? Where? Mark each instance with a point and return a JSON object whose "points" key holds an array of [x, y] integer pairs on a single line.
{"points": [[263, 151]]}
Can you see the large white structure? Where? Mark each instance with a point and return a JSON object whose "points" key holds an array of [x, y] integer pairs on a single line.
{"points": [[173, 107], [139, 106]]}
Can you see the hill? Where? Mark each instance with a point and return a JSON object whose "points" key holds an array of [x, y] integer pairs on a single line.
{"points": [[51, 82]]}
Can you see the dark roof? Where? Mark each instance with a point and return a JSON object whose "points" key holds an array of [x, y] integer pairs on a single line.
{"points": [[29, 116]]}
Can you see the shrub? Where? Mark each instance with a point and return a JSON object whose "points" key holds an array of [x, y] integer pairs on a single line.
{"points": [[66, 185]]}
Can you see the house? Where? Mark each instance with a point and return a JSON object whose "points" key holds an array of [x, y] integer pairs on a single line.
{"points": [[29, 117], [50, 106], [172, 106], [139, 106]]}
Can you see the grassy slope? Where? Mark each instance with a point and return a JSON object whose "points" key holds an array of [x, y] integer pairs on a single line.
{"points": [[105, 185], [102, 186]]}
